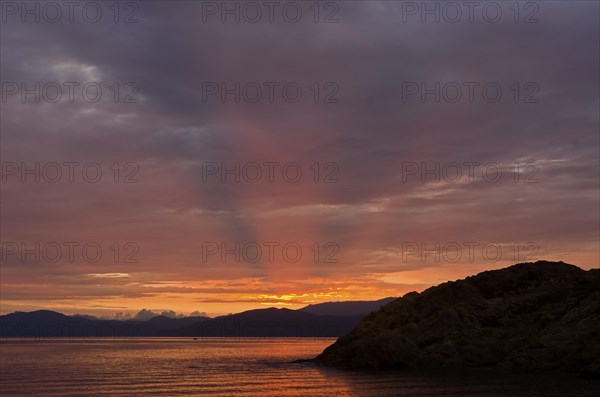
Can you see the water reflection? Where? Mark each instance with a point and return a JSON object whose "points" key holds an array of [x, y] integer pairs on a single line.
{"points": [[184, 367]]}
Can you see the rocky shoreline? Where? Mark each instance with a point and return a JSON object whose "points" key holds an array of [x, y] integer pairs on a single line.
{"points": [[542, 316]]}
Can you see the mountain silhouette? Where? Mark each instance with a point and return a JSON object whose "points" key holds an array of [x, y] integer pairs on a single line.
{"points": [[273, 322], [269, 322], [347, 308]]}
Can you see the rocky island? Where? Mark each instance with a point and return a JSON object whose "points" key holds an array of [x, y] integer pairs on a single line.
{"points": [[542, 316]]}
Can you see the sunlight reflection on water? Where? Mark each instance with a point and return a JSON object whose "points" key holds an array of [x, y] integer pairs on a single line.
{"points": [[235, 367]]}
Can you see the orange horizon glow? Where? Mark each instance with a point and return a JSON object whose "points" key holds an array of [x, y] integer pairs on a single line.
{"points": [[186, 301]]}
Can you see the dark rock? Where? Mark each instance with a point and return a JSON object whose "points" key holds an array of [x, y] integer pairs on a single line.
{"points": [[532, 316]]}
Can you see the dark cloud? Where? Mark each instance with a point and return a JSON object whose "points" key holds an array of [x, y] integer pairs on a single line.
{"points": [[370, 135]]}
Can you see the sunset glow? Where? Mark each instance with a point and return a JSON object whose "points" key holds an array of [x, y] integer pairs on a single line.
{"points": [[360, 190]]}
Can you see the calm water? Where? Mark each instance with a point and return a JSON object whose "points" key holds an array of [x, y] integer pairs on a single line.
{"points": [[219, 367]]}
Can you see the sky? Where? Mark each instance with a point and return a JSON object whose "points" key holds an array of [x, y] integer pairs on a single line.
{"points": [[173, 158]]}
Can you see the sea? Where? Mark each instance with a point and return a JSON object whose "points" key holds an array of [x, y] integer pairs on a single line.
{"points": [[229, 367]]}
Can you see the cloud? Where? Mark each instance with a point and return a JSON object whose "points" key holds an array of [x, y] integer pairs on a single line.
{"points": [[110, 275], [369, 136]]}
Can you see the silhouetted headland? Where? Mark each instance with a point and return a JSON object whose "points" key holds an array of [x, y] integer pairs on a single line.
{"points": [[542, 316]]}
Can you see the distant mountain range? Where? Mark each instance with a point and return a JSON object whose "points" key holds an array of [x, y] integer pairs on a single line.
{"points": [[541, 316], [348, 308], [321, 320]]}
